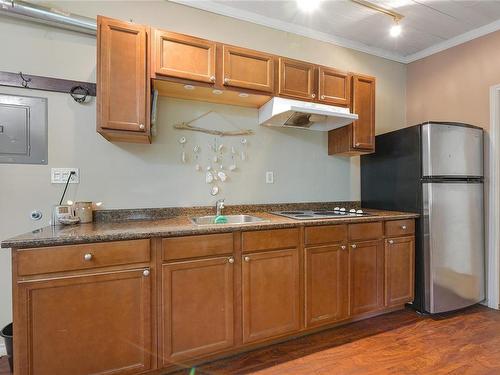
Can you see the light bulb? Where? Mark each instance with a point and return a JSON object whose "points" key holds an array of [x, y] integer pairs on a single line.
{"points": [[395, 30], [308, 6]]}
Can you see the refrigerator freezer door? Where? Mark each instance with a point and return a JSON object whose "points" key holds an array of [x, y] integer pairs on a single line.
{"points": [[453, 245], [451, 150]]}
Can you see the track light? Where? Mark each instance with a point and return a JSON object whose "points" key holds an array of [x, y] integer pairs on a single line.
{"points": [[308, 6], [395, 29]]}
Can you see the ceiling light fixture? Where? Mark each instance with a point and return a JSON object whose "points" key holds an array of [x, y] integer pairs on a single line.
{"points": [[396, 29], [308, 6]]}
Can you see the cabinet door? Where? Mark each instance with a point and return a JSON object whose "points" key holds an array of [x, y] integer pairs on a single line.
{"points": [[399, 270], [363, 104], [296, 79], [186, 57], [334, 87], [327, 284], [121, 76], [248, 69], [270, 287], [197, 308], [96, 324], [367, 276]]}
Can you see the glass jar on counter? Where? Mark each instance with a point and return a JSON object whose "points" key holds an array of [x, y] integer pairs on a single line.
{"points": [[83, 210]]}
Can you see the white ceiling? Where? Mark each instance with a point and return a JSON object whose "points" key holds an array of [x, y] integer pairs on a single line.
{"points": [[429, 26]]}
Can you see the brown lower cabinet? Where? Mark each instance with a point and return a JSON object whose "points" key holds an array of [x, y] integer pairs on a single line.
{"points": [[367, 276], [327, 284], [196, 308], [84, 324], [399, 270], [270, 288], [188, 299]]}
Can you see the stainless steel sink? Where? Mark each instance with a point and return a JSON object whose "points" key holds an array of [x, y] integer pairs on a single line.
{"points": [[231, 219]]}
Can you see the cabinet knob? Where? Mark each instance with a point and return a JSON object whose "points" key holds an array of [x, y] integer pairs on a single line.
{"points": [[358, 144], [212, 78], [343, 247], [145, 272], [142, 127], [403, 227], [313, 96], [230, 260], [88, 256], [353, 246], [391, 242], [226, 80], [246, 259], [322, 97]]}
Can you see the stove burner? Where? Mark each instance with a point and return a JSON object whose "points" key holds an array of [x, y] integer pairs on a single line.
{"points": [[320, 214]]}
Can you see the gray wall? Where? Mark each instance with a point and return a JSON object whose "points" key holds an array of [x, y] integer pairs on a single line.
{"points": [[127, 175]]}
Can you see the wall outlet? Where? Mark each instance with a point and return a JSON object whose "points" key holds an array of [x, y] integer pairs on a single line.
{"points": [[60, 175], [269, 177]]}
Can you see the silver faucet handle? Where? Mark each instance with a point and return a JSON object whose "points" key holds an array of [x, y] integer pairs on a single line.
{"points": [[220, 203]]}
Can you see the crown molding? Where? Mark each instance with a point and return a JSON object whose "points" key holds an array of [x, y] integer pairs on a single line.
{"points": [[244, 15], [455, 41], [211, 6]]}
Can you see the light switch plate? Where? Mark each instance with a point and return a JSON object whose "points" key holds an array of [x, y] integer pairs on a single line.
{"points": [[269, 177], [60, 175]]}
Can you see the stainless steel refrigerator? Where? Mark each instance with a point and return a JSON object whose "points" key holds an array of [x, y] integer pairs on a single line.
{"points": [[436, 170]]}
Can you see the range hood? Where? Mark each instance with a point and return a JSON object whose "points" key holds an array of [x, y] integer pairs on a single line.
{"points": [[304, 115]]}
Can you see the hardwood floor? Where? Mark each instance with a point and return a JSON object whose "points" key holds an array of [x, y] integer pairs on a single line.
{"points": [[4, 366], [403, 343], [465, 342]]}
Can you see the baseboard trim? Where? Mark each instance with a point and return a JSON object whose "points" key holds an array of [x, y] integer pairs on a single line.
{"points": [[3, 349]]}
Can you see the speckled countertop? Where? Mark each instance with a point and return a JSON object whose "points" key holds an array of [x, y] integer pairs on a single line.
{"points": [[171, 227]]}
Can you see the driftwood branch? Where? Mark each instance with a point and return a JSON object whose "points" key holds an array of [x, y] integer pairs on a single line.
{"points": [[222, 133]]}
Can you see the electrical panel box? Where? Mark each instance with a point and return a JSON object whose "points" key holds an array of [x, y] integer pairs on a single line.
{"points": [[23, 130]]}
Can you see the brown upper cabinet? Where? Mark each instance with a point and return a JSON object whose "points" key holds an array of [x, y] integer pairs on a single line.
{"points": [[123, 93], [184, 57], [131, 58], [359, 137], [296, 79], [244, 68], [334, 87]]}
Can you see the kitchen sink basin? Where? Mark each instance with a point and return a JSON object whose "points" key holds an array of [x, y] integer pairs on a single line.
{"points": [[231, 219]]}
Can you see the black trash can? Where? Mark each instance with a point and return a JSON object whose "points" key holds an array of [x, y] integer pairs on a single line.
{"points": [[6, 333]]}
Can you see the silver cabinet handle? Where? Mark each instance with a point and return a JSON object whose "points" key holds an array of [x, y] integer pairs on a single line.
{"points": [[142, 127], [88, 256], [391, 242], [226, 80], [353, 246], [145, 272], [322, 97], [212, 78], [343, 247], [246, 259], [403, 227], [230, 260], [313, 96]]}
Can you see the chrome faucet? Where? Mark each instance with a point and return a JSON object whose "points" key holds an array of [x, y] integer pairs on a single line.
{"points": [[219, 206]]}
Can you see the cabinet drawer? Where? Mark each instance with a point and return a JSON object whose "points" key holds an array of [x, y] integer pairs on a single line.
{"points": [[398, 228], [197, 246], [325, 234], [365, 231], [80, 257], [270, 239]]}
